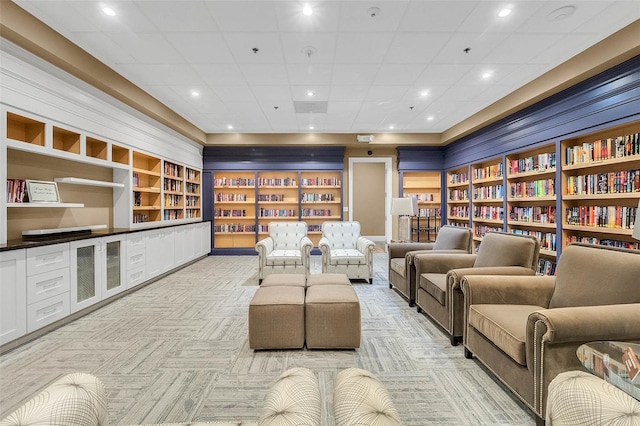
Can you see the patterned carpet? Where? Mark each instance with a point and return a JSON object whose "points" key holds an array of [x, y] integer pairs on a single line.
{"points": [[177, 350]]}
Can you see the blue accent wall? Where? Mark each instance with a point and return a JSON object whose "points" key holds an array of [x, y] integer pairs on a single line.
{"points": [[273, 158], [420, 158], [607, 99]]}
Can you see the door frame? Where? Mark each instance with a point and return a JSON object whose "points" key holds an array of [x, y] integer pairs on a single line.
{"points": [[387, 161]]}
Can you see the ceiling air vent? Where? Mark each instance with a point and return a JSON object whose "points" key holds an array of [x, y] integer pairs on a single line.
{"points": [[306, 107]]}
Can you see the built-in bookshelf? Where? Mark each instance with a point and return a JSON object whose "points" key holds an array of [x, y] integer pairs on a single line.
{"points": [[426, 188], [193, 194], [601, 186], [531, 200], [458, 212], [146, 180], [487, 197], [234, 209], [173, 191], [277, 199], [320, 200]]}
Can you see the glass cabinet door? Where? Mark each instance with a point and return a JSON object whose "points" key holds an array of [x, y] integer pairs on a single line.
{"points": [[85, 273], [114, 264]]}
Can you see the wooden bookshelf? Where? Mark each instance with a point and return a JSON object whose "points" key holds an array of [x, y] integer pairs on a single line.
{"points": [[601, 186], [458, 210], [426, 187], [66, 140], [277, 199], [24, 129], [487, 197], [192, 193], [531, 200], [119, 155], [234, 209], [146, 188], [172, 191], [320, 200]]}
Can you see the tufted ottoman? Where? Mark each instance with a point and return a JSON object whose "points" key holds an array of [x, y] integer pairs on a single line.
{"points": [[276, 318], [332, 317], [274, 280], [328, 279]]}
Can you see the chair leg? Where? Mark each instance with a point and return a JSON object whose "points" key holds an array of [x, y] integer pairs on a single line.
{"points": [[370, 280], [539, 421], [390, 285], [419, 310], [412, 303], [259, 281], [468, 354], [455, 340]]}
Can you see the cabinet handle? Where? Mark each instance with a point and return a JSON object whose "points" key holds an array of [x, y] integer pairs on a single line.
{"points": [[48, 260], [49, 285], [49, 311]]}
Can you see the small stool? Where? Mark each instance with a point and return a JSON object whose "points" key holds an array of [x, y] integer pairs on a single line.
{"points": [[295, 280], [276, 318], [328, 279], [332, 317]]}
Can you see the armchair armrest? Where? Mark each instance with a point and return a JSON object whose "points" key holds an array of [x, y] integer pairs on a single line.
{"points": [[264, 247], [441, 263], [455, 276], [365, 245], [306, 245], [324, 245], [398, 250], [583, 324], [510, 290]]}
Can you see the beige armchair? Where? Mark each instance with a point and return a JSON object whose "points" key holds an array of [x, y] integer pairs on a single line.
{"points": [[402, 271], [438, 276], [526, 329], [287, 249], [345, 251]]}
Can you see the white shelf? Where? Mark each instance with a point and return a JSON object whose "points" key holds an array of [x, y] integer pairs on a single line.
{"points": [[46, 205], [88, 182], [51, 231]]}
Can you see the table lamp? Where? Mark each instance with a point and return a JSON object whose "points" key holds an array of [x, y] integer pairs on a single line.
{"points": [[404, 208]]}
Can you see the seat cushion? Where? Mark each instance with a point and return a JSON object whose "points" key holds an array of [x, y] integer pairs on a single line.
{"points": [[398, 266], [505, 326], [284, 257], [435, 285], [347, 257]]}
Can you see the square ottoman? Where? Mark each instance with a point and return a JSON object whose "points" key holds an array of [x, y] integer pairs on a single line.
{"points": [[328, 279], [332, 317], [296, 280], [276, 318]]}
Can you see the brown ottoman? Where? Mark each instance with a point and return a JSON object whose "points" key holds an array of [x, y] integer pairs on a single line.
{"points": [[332, 317], [328, 279], [296, 280], [276, 318]]}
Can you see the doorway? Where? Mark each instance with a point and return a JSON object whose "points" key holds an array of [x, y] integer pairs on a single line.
{"points": [[370, 196]]}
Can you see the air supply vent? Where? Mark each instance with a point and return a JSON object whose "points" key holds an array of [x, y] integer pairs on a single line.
{"points": [[306, 107]]}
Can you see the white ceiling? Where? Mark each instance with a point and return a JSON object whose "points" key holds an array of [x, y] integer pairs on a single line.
{"points": [[371, 71]]}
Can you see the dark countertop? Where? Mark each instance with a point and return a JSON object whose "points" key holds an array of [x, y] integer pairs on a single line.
{"points": [[30, 242]]}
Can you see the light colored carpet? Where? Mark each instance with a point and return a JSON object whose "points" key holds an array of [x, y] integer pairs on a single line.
{"points": [[177, 350]]}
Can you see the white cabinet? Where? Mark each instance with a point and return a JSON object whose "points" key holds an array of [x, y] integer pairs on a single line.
{"points": [[136, 259], [180, 245], [98, 270], [160, 251], [47, 285], [13, 295], [204, 229]]}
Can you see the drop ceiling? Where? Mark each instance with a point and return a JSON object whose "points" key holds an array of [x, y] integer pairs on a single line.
{"points": [[265, 67]]}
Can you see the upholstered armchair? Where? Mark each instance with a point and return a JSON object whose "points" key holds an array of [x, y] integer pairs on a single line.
{"points": [[526, 330], [287, 249], [438, 276], [402, 272], [345, 251]]}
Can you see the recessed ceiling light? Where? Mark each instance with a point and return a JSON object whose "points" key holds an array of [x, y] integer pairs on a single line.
{"points": [[504, 12], [487, 75], [311, 127], [310, 93], [195, 93], [229, 127], [561, 13], [392, 127], [307, 10], [108, 11], [430, 117], [424, 93]]}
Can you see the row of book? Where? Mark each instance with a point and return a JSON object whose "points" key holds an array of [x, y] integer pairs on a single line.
{"points": [[459, 195], [487, 172], [603, 149], [546, 267], [547, 239], [534, 163], [422, 198], [223, 196], [488, 212], [140, 218], [537, 214], [316, 212], [192, 201], [602, 216], [320, 181], [192, 174], [304, 197], [603, 242], [191, 214], [623, 181], [171, 169], [459, 211], [234, 227], [481, 230], [491, 192], [16, 190], [172, 214], [172, 200], [276, 182], [229, 213], [278, 213], [456, 178], [429, 212], [536, 188], [271, 197], [192, 188], [233, 182]]}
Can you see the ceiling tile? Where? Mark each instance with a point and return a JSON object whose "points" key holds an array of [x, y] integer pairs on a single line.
{"points": [[265, 74], [220, 74], [242, 45], [310, 74], [309, 47], [362, 47], [243, 15], [354, 74], [176, 16], [395, 74], [201, 48], [356, 16], [348, 93], [436, 16], [415, 47], [147, 47]]}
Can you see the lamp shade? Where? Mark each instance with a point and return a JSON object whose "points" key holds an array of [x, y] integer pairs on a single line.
{"points": [[636, 227], [407, 206]]}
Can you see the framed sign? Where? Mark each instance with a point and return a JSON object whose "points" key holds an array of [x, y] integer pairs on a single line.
{"points": [[42, 191]]}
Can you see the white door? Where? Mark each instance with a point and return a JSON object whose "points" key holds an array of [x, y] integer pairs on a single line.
{"points": [[13, 295]]}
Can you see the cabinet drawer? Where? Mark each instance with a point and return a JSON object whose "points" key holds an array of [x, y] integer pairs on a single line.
{"points": [[136, 276], [136, 259], [136, 241], [47, 258], [47, 311], [43, 286]]}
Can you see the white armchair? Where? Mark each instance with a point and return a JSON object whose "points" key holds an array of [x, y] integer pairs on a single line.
{"points": [[345, 251], [287, 249]]}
